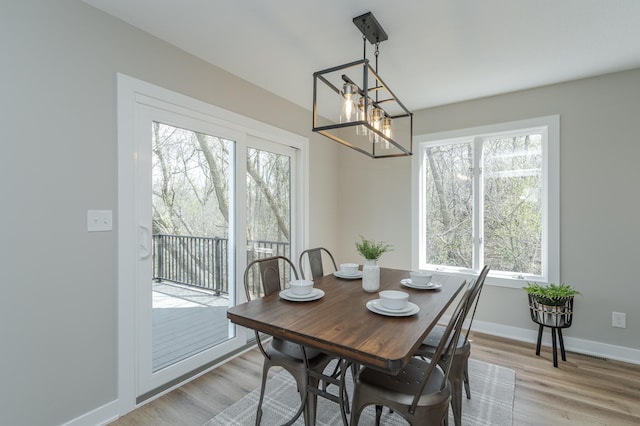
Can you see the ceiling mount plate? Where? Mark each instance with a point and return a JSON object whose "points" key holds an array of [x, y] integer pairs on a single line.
{"points": [[370, 28]]}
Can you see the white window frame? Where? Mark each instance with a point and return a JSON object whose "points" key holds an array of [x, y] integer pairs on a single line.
{"points": [[550, 127]]}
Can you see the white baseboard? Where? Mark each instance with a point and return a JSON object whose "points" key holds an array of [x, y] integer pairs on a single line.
{"points": [[587, 347], [100, 416]]}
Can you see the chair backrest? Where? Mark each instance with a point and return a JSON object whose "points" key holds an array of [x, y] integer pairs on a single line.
{"points": [[474, 297], [270, 276], [270, 280], [446, 347], [314, 257]]}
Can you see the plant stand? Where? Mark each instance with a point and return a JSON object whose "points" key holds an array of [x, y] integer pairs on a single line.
{"points": [[554, 317]]}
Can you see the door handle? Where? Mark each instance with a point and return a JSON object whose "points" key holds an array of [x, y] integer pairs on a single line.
{"points": [[144, 238]]}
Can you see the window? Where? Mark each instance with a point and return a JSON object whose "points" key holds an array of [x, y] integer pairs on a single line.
{"points": [[490, 195]]}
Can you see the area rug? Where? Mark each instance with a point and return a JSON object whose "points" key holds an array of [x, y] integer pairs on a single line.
{"points": [[491, 403]]}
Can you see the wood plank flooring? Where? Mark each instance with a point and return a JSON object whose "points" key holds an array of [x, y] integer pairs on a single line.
{"points": [[583, 391]]}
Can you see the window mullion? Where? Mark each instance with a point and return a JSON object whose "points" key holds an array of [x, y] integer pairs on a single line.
{"points": [[478, 216]]}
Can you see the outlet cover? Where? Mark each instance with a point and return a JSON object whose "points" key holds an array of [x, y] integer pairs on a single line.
{"points": [[619, 319]]}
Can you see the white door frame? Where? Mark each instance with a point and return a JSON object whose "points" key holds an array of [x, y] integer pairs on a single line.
{"points": [[132, 92], [148, 111]]}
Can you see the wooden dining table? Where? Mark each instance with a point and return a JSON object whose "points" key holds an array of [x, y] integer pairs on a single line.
{"points": [[340, 323]]}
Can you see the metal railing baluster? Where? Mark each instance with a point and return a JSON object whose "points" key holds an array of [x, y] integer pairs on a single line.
{"points": [[202, 262]]}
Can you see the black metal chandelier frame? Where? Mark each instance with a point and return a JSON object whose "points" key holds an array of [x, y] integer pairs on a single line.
{"points": [[373, 32]]}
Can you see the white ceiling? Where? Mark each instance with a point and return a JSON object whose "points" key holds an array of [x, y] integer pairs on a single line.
{"points": [[438, 52]]}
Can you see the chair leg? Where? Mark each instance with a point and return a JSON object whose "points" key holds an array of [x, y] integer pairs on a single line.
{"points": [[265, 372], [456, 400], [341, 371], [334, 374], [564, 356], [310, 402], [344, 396], [553, 342], [467, 389], [378, 414], [355, 409], [539, 339], [317, 384]]}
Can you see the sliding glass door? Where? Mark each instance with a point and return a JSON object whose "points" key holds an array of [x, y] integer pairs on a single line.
{"points": [[186, 279], [208, 201], [201, 192]]}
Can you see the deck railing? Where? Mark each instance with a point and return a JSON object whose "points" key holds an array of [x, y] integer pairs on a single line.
{"points": [[202, 262]]}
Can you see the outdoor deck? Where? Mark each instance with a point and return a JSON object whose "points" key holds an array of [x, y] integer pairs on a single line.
{"points": [[185, 321]]}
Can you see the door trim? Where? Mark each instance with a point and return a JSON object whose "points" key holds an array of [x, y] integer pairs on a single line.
{"points": [[130, 92]]}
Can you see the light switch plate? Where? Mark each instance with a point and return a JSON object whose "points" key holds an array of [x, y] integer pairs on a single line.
{"points": [[99, 220]]}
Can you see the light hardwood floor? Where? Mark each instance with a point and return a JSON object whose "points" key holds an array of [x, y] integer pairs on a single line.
{"points": [[583, 391]]}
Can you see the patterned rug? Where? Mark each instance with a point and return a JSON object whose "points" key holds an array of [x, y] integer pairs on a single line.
{"points": [[491, 403]]}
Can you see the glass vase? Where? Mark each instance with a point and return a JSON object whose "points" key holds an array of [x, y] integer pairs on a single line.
{"points": [[370, 275]]}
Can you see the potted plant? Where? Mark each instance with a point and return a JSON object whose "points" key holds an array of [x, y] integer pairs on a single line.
{"points": [[371, 251], [552, 304]]}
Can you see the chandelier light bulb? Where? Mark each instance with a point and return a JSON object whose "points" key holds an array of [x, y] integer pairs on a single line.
{"points": [[376, 122], [348, 111], [386, 130], [386, 127], [364, 114]]}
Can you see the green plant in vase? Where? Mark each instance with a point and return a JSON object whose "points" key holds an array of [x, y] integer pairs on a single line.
{"points": [[371, 251], [552, 294], [552, 304]]}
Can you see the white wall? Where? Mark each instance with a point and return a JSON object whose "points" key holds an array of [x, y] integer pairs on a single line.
{"points": [[58, 118], [600, 177]]}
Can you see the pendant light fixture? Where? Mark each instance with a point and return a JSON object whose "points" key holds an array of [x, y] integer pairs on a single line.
{"points": [[354, 107]]}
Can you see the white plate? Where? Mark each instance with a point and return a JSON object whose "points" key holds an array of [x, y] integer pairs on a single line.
{"points": [[431, 286], [355, 276], [375, 307], [377, 304], [315, 294]]}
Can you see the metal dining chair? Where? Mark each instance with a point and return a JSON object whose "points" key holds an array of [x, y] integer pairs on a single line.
{"points": [[459, 375], [292, 357], [421, 392], [314, 257]]}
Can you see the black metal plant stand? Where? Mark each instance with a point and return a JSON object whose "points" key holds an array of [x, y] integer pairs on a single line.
{"points": [[554, 317]]}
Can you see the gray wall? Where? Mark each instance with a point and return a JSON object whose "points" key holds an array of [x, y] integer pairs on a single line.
{"points": [[58, 119], [599, 174]]}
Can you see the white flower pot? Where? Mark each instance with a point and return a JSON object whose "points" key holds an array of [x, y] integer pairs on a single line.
{"points": [[370, 275]]}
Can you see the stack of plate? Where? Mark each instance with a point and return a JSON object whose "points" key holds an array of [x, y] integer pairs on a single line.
{"points": [[376, 307], [315, 294], [345, 276], [429, 286]]}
